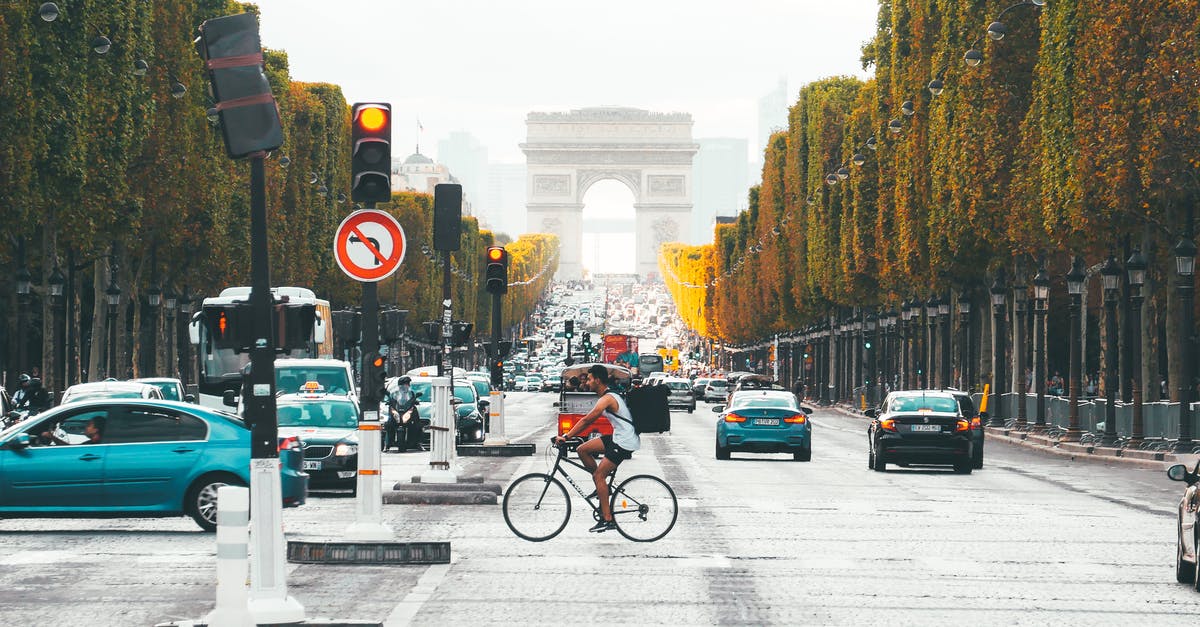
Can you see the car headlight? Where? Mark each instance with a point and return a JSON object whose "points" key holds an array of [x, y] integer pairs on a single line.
{"points": [[344, 449]]}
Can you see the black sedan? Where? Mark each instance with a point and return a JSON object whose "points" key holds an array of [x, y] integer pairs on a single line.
{"points": [[919, 427], [1187, 567], [327, 427]]}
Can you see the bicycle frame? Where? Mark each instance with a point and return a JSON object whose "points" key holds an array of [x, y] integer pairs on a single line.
{"points": [[559, 470]]}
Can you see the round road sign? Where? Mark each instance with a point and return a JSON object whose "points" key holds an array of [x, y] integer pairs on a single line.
{"points": [[369, 245]]}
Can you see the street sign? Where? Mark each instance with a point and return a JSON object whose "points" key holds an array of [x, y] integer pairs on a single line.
{"points": [[369, 245]]}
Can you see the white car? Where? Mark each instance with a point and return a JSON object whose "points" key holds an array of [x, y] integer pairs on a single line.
{"points": [[98, 390]]}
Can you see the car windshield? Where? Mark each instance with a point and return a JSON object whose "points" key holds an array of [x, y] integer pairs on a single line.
{"points": [[101, 394], [334, 413], [679, 385], [465, 393], [781, 402], [720, 383], [923, 403], [291, 379]]}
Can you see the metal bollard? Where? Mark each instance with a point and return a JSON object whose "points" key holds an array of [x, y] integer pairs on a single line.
{"points": [[368, 523], [233, 541], [441, 435], [496, 435], [269, 600]]}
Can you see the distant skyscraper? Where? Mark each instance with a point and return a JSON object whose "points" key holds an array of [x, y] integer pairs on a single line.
{"points": [[468, 160], [505, 202], [772, 116], [720, 179]]}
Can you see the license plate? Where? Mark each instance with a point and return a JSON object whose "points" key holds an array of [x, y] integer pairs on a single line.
{"points": [[925, 428], [312, 465], [767, 422]]}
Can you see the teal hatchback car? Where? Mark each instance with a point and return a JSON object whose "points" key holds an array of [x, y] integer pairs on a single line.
{"points": [[764, 421], [131, 457]]}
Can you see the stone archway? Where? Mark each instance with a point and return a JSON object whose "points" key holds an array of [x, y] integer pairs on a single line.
{"points": [[649, 152]]}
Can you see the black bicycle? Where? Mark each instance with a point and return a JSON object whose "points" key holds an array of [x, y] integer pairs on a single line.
{"points": [[537, 506]]}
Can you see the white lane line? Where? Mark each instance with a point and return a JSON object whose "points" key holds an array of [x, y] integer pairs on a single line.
{"points": [[406, 610]]}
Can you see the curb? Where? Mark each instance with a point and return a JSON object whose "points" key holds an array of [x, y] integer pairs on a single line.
{"points": [[1149, 460], [494, 488], [431, 497]]}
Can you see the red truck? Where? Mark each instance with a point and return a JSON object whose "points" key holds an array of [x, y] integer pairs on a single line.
{"points": [[621, 349]]}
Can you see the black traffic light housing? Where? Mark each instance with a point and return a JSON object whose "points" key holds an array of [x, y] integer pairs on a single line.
{"points": [[460, 332], [447, 216], [230, 326], [496, 272], [232, 51], [496, 370], [569, 329], [391, 327], [371, 152], [433, 331], [375, 366]]}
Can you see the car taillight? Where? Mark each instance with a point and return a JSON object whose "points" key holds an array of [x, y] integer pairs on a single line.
{"points": [[289, 444], [962, 425], [798, 419], [888, 425], [976, 422], [732, 417]]}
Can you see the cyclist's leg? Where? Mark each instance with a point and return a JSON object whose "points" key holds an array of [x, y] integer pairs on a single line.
{"points": [[588, 452], [600, 477]]}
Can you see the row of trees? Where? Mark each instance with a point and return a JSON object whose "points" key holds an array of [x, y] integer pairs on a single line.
{"points": [[119, 171], [1079, 133]]}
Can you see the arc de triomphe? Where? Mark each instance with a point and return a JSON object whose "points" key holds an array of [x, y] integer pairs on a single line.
{"points": [[649, 152]]}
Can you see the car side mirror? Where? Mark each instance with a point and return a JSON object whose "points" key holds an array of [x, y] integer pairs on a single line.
{"points": [[871, 413], [1178, 472], [230, 398], [484, 404], [456, 401], [189, 398], [807, 410], [718, 409], [554, 404], [21, 441]]}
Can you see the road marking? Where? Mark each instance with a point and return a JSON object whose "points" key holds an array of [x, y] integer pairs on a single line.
{"points": [[24, 558], [406, 610]]}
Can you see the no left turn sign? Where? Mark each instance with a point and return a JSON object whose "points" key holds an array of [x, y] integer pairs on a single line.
{"points": [[369, 245]]}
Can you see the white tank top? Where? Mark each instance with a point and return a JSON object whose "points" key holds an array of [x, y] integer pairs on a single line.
{"points": [[624, 435]]}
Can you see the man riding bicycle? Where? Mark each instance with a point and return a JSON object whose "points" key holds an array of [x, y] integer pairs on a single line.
{"points": [[617, 447]]}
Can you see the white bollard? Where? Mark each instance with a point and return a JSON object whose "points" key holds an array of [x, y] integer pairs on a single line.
{"points": [[269, 600], [441, 435], [368, 523], [496, 435], [233, 540]]}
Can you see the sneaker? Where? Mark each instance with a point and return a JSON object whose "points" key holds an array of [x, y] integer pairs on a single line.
{"points": [[602, 526]]}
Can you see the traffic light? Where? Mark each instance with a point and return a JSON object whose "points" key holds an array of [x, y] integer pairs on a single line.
{"points": [[347, 326], [447, 216], [249, 117], [569, 329], [375, 367], [391, 326], [497, 373], [371, 159], [460, 332], [230, 325], [496, 273]]}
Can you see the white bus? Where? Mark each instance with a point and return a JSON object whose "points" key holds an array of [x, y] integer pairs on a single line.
{"points": [[221, 331]]}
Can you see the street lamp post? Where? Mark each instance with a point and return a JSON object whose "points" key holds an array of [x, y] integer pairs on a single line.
{"points": [[57, 280], [964, 311], [1041, 306], [1136, 267], [1020, 299], [170, 301], [1110, 274], [24, 281], [154, 299], [946, 376], [997, 291], [919, 369], [873, 345], [1185, 268], [1075, 279], [114, 299], [181, 337], [905, 335], [931, 355]]}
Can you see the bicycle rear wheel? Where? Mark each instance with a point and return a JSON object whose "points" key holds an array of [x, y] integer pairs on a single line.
{"points": [[536, 507], [644, 508]]}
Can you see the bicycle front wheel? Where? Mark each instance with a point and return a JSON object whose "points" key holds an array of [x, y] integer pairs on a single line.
{"points": [[644, 508], [536, 507]]}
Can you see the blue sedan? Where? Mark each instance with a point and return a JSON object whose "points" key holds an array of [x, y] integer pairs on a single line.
{"points": [[764, 421], [131, 458]]}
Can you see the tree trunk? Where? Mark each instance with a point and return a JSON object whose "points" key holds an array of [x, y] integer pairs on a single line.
{"points": [[98, 354]]}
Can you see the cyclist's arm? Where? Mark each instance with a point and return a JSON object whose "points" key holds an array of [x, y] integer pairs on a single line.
{"points": [[604, 403]]}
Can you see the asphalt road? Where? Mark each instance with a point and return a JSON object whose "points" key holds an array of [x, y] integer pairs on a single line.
{"points": [[760, 540]]}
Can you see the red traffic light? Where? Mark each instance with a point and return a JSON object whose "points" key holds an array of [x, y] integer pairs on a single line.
{"points": [[372, 119], [495, 253], [377, 361]]}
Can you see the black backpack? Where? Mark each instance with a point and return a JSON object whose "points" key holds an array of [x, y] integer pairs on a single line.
{"points": [[649, 408]]}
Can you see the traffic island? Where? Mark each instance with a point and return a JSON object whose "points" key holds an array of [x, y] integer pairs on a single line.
{"points": [[496, 450], [468, 491]]}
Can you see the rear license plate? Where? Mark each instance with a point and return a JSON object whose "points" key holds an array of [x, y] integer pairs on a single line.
{"points": [[312, 465], [767, 422], [925, 428]]}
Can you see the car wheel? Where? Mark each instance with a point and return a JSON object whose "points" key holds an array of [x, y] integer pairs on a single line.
{"points": [[1185, 572], [964, 468], [870, 460], [803, 455], [1196, 567], [722, 451], [691, 409], [200, 500], [977, 459], [880, 463]]}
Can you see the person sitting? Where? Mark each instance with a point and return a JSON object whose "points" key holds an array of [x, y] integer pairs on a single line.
{"points": [[94, 430]]}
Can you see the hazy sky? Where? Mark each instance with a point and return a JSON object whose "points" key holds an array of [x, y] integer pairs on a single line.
{"points": [[482, 65]]}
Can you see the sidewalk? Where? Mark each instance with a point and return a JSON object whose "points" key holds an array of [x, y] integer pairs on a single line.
{"points": [[1150, 460]]}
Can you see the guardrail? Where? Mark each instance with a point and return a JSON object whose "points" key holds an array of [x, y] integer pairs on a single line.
{"points": [[1160, 419]]}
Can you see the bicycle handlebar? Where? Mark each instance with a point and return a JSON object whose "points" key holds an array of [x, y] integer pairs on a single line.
{"points": [[568, 444]]}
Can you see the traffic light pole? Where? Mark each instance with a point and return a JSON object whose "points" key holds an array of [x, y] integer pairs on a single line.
{"points": [[445, 367], [368, 523], [495, 427], [269, 601]]}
